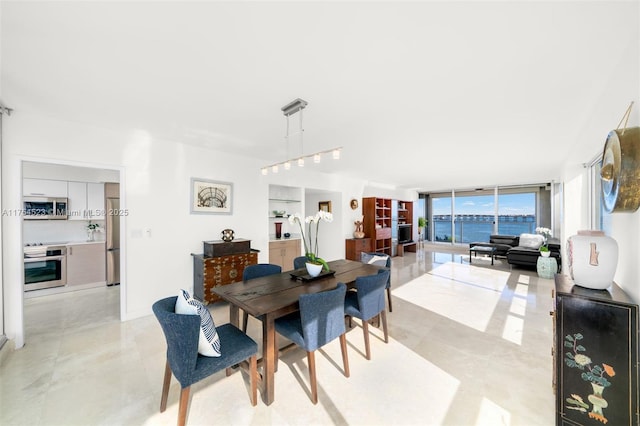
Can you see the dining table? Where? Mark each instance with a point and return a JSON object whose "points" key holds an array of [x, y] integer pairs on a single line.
{"points": [[273, 296]]}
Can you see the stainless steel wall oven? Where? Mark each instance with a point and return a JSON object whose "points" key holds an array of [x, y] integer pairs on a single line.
{"points": [[44, 267]]}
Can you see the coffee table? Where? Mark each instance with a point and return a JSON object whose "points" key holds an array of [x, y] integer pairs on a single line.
{"points": [[487, 250]]}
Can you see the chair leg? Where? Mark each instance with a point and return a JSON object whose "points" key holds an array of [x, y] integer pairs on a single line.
{"points": [[165, 387], [345, 355], [311, 356], [365, 329], [253, 378], [389, 299], [383, 314], [184, 406], [245, 320]]}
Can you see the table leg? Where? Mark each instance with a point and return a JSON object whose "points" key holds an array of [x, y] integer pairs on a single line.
{"points": [[234, 315], [268, 358]]}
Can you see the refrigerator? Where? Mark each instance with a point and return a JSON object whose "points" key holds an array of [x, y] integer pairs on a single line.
{"points": [[112, 205]]}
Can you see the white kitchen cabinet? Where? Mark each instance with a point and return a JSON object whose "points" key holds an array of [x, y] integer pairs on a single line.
{"points": [[95, 200], [86, 201], [44, 188], [86, 263], [77, 207]]}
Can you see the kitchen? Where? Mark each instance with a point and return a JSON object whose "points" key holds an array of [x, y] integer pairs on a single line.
{"points": [[71, 228]]}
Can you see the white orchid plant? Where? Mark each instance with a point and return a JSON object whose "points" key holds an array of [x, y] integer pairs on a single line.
{"points": [[311, 250], [546, 233]]}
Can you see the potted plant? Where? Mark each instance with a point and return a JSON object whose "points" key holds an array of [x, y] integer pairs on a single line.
{"points": [[314, 262], [546, 233], [422, 222], [544, 251]]}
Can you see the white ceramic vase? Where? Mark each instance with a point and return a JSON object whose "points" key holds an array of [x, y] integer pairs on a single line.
{"points": [[592, 260], [545, 253], [313, 269]]}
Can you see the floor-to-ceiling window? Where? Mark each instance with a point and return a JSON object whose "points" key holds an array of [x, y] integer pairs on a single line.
{"points": [[516, 212], [473, 215], [441, 208], [596, 213]]}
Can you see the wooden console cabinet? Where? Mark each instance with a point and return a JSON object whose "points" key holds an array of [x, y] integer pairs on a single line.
{"points": [[595, 355], [354, 246], [283, 252], [210, 272]]}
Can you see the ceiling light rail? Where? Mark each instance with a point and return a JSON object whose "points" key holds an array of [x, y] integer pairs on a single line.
{"points": [[335, 154], [297, 105]]}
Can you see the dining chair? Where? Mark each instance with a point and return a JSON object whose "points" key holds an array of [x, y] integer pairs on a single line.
{"points": [[299, 262], [380, 259], [182, 334], [367, 302], [319, 321], [256, 271]]}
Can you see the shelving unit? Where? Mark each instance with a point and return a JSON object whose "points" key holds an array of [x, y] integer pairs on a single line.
{"points": [[405, 220], [287, 199], [377, 223]]}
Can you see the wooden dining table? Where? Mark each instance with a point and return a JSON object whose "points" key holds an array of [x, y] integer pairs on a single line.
{"points": [[276, 295]]}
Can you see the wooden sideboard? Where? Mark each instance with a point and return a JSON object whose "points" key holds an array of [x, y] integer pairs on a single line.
{"points": [[354, 246], [283, 252], [210, 272], [595, 355]]}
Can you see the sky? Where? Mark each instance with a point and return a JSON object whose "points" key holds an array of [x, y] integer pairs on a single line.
{"points": [[509, 204]]}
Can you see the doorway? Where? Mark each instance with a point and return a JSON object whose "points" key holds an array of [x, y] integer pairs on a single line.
{"points": [[82, 235]]}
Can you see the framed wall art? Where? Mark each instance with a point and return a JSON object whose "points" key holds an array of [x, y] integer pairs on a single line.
{"points": [[211, 197], [325, 206]]}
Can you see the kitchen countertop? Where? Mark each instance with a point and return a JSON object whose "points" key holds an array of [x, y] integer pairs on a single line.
{"points": [[273, 239], [75, 243]]}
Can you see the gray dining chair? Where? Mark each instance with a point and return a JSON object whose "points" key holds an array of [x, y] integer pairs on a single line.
{"points": [[299, 262], [380, 259], [319, 321], [256, 271], [182, 333], [368, 302]]}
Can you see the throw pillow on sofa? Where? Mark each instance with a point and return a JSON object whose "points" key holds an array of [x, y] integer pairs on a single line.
{"points": [[533, 241], [209, 341]]}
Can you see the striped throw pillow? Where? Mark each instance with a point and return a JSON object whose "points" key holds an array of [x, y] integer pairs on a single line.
{"points": [[209, 341]]}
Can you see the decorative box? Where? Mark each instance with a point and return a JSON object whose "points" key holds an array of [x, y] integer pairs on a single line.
{"points": [[219, 248]]}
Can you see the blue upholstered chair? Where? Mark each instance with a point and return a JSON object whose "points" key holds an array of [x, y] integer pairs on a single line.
{"points": [[319, 321], [367, 302], [368, 257], [299, 262], [256, 271], [182, 333]]}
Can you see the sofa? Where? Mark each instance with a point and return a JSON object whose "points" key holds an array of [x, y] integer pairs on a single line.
{"points": [[522, 250]]}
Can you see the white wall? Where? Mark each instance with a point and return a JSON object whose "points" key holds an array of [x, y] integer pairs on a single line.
{"points": [[156, 183], [330, 236]]}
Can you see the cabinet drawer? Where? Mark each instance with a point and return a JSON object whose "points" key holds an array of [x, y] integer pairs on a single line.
{"points": [[383, 233]]}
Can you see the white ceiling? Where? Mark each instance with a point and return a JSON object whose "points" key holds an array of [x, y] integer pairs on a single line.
{"points": [[428, 95]]}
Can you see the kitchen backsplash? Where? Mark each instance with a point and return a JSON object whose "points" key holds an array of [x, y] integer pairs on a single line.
{"points": [[49, 231]]}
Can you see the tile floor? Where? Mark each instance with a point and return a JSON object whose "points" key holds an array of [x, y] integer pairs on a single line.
{"points": [[469, 345]]}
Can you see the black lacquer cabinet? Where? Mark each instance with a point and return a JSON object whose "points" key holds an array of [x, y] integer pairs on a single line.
{"points": [[595, 355]]}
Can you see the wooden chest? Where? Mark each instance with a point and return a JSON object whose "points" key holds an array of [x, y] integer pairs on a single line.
{"points": [[222, 248], [355, 246], [210, 272]]}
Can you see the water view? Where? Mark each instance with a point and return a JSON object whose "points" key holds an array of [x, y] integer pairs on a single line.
{"points": [[472, 228]]}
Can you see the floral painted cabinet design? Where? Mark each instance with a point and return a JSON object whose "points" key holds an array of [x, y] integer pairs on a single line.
{"points": [[595, 355]]}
